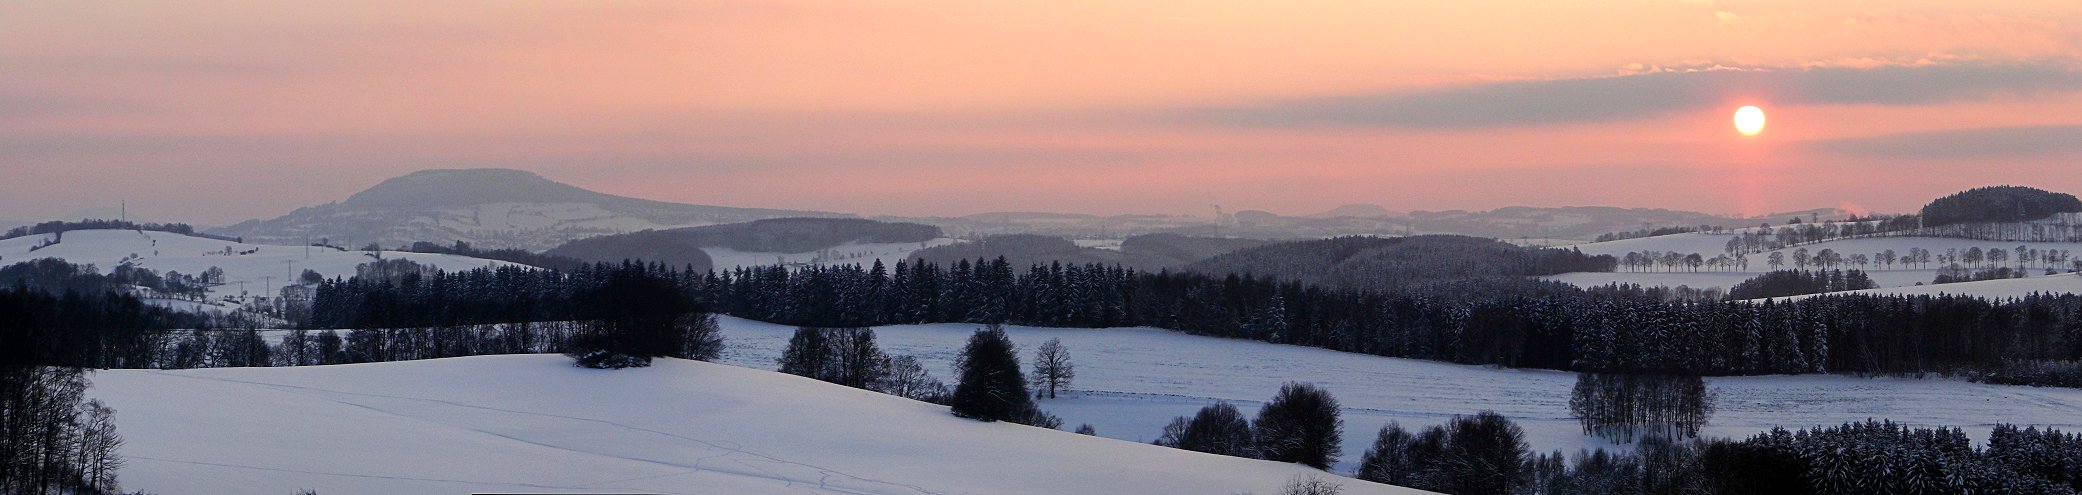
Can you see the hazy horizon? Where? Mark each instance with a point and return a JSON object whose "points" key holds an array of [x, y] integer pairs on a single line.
{"points": [[147, 213], [217, 112]]}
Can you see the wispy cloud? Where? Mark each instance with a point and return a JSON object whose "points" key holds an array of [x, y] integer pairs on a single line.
{"points": [[1962, 143], [1647, 94], [21, 104]]}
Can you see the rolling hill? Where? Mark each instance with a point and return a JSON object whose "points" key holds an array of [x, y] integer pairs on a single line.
{"points": [[1895, 276], [534, 423], [488, 208], [259, 269]]}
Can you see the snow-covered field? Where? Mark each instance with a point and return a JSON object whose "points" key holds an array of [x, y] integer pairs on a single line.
{"points": [[263, 272], [2065, 283], [534, 423], [1710, 245], [844, 254], [1131, 381]]}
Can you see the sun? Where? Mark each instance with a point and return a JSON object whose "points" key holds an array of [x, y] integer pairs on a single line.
{"points": [[1749, 120]]}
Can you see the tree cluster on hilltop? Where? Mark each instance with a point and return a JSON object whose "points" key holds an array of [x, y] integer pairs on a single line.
{"points": [[1998, 204], [1783, 283], [1652, 232], [60, 227]]}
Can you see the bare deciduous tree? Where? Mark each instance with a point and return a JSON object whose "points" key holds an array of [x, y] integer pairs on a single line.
{"points": [[1052, 369]]}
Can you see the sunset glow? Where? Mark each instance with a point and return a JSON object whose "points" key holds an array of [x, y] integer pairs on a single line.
{"points": [[921, 107]]}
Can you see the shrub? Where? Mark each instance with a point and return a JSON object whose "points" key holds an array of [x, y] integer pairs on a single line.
{"points": [[1300, 425]]}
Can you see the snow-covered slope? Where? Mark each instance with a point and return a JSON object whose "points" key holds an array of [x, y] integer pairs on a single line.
{"points": [[262, 270], [1710, 245], [535, 424], [1131, 381], [2065, 283]]}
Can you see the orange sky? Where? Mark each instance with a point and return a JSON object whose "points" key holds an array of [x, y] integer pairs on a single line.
{"points": [[217, 111]]}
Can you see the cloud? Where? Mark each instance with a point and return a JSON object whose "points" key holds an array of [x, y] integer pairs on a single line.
{"points": [[1652, 93], [20, 104], [1962, 143]]}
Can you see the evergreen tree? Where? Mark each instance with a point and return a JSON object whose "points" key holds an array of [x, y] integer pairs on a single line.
{"points": [[991, 387]]}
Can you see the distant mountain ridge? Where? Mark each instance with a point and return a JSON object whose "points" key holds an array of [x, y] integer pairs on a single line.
{"points": [[488, 208], [1356, 210], [1511, 222]]}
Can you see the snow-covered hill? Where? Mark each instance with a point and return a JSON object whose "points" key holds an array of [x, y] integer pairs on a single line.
{"points": [[489, 208], [1131, 381], [784, 241], [1710, 245], [260, 270], [534, 423]]}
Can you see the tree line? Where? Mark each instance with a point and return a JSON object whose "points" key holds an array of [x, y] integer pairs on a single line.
{"points": [[1486, 454], [1853, 458], [1519, 323], [413, 313], [1652, 232], [59, 228]]}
